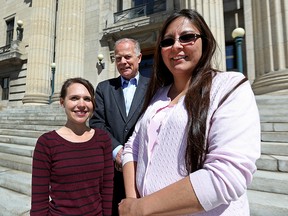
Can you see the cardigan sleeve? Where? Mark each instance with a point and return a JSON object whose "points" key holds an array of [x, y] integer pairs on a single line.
{"points": [[130, 152], [233, 140]]}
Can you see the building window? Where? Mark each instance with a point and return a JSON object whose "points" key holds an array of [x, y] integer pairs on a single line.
{"points": [[139, 8], [141, 2], [119, 5], [5, 88], [233, 18], [10, 30], [149, 5], [230, 57]]}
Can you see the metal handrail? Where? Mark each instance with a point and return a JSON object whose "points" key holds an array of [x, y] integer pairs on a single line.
{"points": [[129, 13], [141, 10]]}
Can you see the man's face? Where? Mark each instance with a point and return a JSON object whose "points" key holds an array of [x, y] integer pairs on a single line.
{"points": [[126, 60]]}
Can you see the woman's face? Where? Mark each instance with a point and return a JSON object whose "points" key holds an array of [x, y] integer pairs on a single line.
{"points": [[182, 57], [77, 103]]}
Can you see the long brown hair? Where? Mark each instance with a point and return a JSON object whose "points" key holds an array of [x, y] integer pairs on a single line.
{"points": [[197, 98]]}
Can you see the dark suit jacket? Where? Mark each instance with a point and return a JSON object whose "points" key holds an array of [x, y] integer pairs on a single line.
{"points": [[110, 115]]}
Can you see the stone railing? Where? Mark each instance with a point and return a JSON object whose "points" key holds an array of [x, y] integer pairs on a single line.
{"points": [[5, 49], [14, 51]]}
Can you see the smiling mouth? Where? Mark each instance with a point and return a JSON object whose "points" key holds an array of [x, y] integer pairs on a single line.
{"points": [[179, 57], [81, 112]]}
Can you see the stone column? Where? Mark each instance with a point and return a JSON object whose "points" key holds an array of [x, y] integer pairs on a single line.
{"points": [[40, 53], [250, 52], [271, 45], [212, 12], [69, 42]]}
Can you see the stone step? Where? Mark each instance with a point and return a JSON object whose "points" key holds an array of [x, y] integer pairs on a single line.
{"points": [[16, 162], [278, 103], [22, 150], [33, 122], [274, 136], [32, 117], [275, 110], [21, 133], [272, 126], [30, 113], [13, 203], [273, 118], [274, 98], [15, 180], [272, 182], [31, 108], [274, 148], [27, 126], [18, 140], [274, 163], [267, 204]]}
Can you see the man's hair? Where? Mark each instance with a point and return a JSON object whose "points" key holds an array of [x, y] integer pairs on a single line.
{"points": [[135, 42]]}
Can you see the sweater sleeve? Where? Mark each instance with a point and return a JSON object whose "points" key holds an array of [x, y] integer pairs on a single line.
{"points": [[234, 146], [40, 177], [107, 185], [130, 152]]}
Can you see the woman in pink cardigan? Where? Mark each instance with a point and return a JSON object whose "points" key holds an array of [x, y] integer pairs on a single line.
{"points": [[194, 149]]}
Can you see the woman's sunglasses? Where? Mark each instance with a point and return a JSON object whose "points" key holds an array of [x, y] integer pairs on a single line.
{"points": [[183, 40]]}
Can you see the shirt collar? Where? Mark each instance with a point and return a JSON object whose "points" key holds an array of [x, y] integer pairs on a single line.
{"points": [[136, 77]]}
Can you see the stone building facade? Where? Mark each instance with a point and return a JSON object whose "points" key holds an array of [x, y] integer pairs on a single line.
{"points": [[72, 33]]}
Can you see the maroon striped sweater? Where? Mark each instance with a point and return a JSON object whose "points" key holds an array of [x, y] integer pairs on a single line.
{"points": [[76, 177]]}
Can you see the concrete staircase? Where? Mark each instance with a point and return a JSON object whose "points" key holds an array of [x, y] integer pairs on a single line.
{"points": [[20, 128], [268, 193]]}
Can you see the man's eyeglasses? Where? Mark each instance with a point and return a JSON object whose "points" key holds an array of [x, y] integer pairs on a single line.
{"points": [[183, 40]]}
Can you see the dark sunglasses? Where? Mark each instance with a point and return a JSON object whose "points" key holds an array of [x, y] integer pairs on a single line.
{"points": [[183, 40]]}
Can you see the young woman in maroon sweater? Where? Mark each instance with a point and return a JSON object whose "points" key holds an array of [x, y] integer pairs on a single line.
{"points": [[72, 166]]}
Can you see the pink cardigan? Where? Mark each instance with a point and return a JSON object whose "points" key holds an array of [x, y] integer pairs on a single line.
{"points": [[233, 135]]}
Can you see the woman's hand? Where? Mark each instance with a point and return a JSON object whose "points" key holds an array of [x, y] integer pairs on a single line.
{"points": [[130, 207], [180, 199]]}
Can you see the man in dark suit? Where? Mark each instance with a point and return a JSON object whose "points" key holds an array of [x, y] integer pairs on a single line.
{"points": [[118, 105]]}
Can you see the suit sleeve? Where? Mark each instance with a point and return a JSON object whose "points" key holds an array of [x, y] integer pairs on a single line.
{"points": [[98, 120]]}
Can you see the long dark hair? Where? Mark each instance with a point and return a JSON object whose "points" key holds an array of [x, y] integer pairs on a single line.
{"points": [[197, 98]]}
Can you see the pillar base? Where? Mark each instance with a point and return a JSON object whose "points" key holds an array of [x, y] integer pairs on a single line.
{"points": [[35, 99], [271, 82]]}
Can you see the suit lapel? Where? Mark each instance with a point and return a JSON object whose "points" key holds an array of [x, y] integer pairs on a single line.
{"points": [[119, 98], [138, 98]]}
